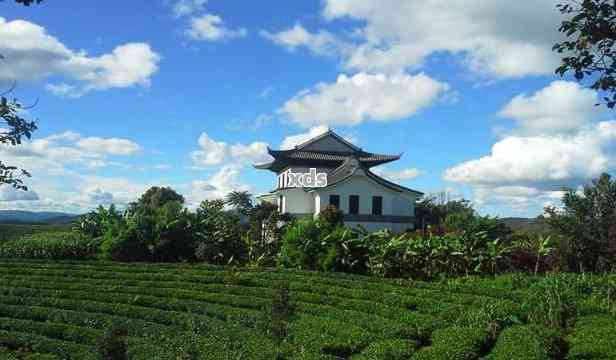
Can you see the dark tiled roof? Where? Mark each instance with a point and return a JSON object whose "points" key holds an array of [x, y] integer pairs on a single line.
{"points": [[323, 158], [349, 167]]}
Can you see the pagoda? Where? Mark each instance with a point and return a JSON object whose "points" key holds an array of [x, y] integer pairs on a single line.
{"points": [[329, 170]]}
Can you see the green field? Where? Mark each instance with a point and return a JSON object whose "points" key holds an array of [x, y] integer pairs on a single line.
{"points": [[16, 231], [61, 310]]}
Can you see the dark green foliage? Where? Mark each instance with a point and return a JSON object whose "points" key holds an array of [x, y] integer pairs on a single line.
{"points": [[95, 223], [263, 238], [113, 344], [588, 51], [585, 222], [154, 198], [302, 245], [241, 201], [331, 215], [218, 239]]}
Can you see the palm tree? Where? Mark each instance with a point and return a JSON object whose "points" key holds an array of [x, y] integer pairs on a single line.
{"points": [[240, 201]]}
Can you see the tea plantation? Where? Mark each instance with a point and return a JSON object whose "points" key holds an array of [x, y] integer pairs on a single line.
{"points": [[64, 310]]}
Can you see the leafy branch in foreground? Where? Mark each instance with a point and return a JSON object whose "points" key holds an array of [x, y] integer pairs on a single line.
{"points": [[590, 45], [16, 129]]}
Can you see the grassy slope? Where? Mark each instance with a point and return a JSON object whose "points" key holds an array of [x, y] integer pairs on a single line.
{"points": [[62, 308]]}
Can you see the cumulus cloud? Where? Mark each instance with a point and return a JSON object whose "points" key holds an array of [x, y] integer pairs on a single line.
{"points": [[100, 197], [32, 54], [209, 27], [538, 159], [112, 146], [54, 152], [558, 142], [489, 36], [212, 152], [8, 193], [188, 7], [320, 43], [363, 97], [398, 175], [563, 106], [217, 186]]}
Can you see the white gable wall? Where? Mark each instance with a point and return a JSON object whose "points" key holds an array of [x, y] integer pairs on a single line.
{"points": [[297, 201]]}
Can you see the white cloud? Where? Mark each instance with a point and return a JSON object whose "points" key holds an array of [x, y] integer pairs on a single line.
{"points": [[212, 152], [112, 146], [217, 186], [54, 152], [363, 97], [398, 175], [538, 159], [490, 36], [289, 142], [32, 54], [563, 106], [209, 27], [8, 193], [320, 43], [558, 142], [100, 197], [292, 140], [188, 7]]}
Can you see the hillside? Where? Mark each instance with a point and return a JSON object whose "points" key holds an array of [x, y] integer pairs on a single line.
{"points": [[31, 217], [180, 311], [525, 224]]}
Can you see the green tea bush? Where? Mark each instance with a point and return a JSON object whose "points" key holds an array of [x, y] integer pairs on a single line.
{"points": [[394, 349], [456, 343], [527, 342], [594, 337]]}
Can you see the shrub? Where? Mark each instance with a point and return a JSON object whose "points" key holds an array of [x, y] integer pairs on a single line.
{"points": [[551, 302], [593, 338], [456, 343], [393, 349], [528, 342], [302, 244], [331, 216]]}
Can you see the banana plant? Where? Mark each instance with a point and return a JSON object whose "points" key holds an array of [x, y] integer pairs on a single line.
{"points": [[543, 247]]}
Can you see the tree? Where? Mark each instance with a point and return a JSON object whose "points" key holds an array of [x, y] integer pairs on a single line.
{"points": [[585, 221], [156, 197], [590, 46], [16, 129], [240, 201]]}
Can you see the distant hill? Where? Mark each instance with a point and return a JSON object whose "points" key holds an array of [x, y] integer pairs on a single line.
{"points": [[525, 224], [31, 217]]}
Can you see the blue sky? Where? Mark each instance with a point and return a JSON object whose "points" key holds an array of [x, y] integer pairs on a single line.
{"points": [[188, 93]]}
